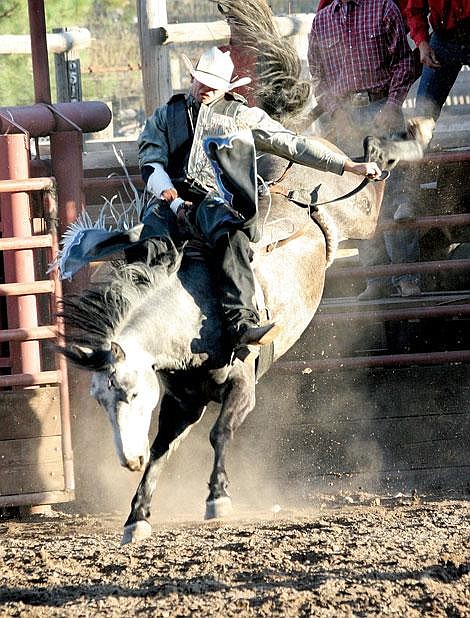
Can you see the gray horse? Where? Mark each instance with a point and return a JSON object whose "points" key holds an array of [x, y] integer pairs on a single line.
{"points": [[156, 333]]}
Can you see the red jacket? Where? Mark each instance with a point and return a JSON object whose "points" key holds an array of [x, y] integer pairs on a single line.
{"points": [[443, 15]]}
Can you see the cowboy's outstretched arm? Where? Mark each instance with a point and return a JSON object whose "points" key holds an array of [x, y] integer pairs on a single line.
{"points": [[271, 137]]}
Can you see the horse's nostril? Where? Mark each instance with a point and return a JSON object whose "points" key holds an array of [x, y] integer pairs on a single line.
{"points": [[141, 461]]}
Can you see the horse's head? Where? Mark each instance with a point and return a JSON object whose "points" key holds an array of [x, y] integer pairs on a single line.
{"points": [[127, 387]]}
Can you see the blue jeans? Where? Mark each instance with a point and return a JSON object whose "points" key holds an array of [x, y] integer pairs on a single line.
{"points": [[385, 247], [453, 51]]}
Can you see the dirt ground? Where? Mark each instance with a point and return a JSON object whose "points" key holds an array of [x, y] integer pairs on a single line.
{"points": [[403, 557]]}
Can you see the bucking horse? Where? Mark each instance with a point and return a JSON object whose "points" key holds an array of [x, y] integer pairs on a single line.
{"points": [[155, 335]]}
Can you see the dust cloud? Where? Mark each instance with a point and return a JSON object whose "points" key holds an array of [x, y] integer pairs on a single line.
{"points": [[312, 437], [275, 462]]}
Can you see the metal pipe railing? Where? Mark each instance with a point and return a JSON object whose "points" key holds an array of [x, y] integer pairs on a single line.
{"points": [[40, 120], [33, 242], [399, 269], [31, 379], [39, 57], [51, 213], [19, 265], [23, 289], [103, 182], [444, 156], [411, 313], [384, 360], [423, 223], [26, 184], [28, 334]]}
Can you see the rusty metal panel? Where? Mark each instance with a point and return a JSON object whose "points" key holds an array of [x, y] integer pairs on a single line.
{"points": [[31, 465], [29, 413]]}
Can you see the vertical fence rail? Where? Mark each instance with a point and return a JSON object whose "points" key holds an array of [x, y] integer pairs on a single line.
{"points": [[19, 265], [52, 219]]}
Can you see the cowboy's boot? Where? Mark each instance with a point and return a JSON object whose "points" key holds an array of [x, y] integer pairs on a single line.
{"points": [[259, 335], [245, 344]]}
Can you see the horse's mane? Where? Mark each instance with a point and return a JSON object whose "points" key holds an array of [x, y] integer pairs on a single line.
{"points": [[278, 87], [92, 318]]}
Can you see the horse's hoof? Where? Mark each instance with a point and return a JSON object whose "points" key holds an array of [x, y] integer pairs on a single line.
{"points": [[136, 532], [220, 507]]}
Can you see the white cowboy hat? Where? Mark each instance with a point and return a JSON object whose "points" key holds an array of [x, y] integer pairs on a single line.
{"points": [[215, 69]]}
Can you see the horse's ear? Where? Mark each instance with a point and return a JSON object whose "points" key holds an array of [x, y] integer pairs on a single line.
{"points": [[87, 357], [117, 352], [82, 352]]}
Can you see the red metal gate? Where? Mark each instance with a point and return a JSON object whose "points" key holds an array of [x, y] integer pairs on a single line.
{"points": [[35, 440]]}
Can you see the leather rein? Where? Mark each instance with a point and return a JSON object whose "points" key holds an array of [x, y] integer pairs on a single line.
{"points": [[293, 194]]}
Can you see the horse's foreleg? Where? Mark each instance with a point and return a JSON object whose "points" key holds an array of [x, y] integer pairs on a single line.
{"points": [[174, 421], [238, 402]]}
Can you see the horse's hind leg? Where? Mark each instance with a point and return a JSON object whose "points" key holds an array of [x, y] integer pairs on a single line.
{"points": [[174, 421], [239, 400]]}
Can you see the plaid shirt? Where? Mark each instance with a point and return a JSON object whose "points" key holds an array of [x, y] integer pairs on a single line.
{"points": [[360, 45]]}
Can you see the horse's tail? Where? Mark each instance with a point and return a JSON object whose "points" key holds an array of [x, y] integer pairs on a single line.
{"points": [[278, 88]]}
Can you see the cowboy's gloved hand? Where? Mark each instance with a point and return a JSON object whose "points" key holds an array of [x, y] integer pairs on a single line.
{"points": [[369, 169], [169, 195], [183, 212]]}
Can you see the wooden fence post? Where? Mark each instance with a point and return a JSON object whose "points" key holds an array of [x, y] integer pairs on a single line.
{"points": [[155, 58]]}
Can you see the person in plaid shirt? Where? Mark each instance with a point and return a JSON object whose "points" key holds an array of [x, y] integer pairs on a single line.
{"points": [[362, 69]]}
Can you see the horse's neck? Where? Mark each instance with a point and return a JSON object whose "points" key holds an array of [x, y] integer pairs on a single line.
{"points": [[135, 350], [153, 348], [168, 322]]}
